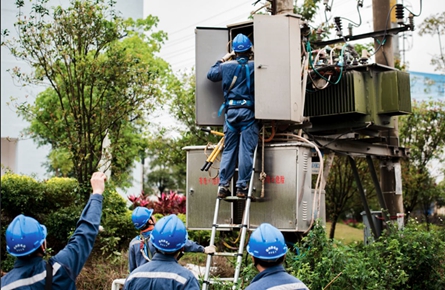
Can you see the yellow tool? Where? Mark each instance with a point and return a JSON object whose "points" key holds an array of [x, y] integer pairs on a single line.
{"points": [[215, 151]]}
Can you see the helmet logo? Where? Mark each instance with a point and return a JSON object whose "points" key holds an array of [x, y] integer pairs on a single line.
{"points": [[164, 243], [19, 248], [272, 250]]}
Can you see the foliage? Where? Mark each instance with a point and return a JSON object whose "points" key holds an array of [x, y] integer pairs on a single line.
{"points": [[185, 133], [341, 188], [308, 9], [20, 194], [165, 203], [161, 177], [435, 25], [57, 203], [102, 78], [118, 229], [423, 133], [60, 162], [408, 259]]}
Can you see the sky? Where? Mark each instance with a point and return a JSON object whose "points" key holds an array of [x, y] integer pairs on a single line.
{"points": [[180, 18]]}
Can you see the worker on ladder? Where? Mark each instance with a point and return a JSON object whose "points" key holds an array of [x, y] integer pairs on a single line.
{"points": [[241, 129], [141, 249], [268, 250]]}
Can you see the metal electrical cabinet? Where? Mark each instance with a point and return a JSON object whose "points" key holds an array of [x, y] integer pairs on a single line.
{"points": [[288, 198], [201, 190], [277, 55]]}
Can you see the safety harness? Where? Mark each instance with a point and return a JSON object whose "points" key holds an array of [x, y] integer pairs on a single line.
{"points": [[145, 251], [143, 246], [238, 103]]}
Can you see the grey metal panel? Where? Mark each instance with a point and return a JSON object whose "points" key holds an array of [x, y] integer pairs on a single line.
{"points": [[201, 192], [211, 45], [278, 68], [288, 198], [287, 202]]}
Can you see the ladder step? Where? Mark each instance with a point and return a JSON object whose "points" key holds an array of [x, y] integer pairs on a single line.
{"points": [[233, 198], [229, 226], [226, 254], [215, 280]]}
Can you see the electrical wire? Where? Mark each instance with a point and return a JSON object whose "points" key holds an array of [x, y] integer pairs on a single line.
{"points": [[420, 12], [385, 34], [341, 65], [319, 182], [359, 15]]}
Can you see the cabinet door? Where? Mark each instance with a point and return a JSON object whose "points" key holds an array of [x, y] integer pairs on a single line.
{"points": [[202, 188], [278, 68], [211, 45]]}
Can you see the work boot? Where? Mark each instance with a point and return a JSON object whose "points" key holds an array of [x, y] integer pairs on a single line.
{"points": [[223, 192], [242, 192]]}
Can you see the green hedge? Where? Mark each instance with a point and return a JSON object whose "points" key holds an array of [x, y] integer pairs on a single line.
{"points": [[412, 258], [57, 203]]}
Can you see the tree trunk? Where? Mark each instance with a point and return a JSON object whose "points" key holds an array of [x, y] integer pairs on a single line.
{"points": [[333, 226]]}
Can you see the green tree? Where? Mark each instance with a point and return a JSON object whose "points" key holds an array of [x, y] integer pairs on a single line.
{"points": [[102, 78], [435, 25], [161, 178], [423, 132], [183, 133], [341, 188]]}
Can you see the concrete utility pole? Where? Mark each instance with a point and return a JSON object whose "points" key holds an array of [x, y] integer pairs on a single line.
{"points": [[390, 173], [282, 6]]}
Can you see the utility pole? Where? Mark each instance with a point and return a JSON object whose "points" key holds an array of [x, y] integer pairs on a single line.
{"points": [[282, 6], [390, 173]]}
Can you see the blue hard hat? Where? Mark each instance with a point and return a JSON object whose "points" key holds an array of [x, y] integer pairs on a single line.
{"points": [[140, 216], [24, 236], [267, 243], [169, 234], [241, 43]]}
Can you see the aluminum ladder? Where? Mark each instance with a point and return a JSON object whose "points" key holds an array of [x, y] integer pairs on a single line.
{"points": [[243, 227]]}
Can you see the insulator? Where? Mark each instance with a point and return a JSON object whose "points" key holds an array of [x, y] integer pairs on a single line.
{"points": [[338, 25], [399, 13]]}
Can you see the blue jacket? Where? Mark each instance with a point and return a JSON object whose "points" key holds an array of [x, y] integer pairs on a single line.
{"points": [[242, 90], [67, 264], [276, 278], [163, 272], [136, 258]]}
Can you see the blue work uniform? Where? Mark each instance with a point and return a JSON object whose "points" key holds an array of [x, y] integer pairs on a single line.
{"points": [[141, 252], [276, 278], [67, 264], [163, 272], [240, 127]]}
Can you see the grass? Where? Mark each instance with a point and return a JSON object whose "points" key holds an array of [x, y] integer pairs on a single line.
{"points": [[345, 233]]}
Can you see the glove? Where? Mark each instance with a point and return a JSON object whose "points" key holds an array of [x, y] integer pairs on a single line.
{"points": [[227, 56], [210, 250]]}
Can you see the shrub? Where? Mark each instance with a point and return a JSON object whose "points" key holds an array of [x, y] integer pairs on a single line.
{"points": [[21, 194], [408, 259], [118, 229], [171, 203], [57, 203], [62, 192]]}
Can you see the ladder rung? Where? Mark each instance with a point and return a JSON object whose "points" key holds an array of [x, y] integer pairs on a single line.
{"points": [[214, 280], [233, 198], [229, 226], [227, 254]]}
